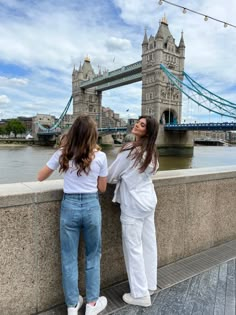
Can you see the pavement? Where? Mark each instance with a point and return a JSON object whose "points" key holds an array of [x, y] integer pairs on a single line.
{"points": [[200, 284]]}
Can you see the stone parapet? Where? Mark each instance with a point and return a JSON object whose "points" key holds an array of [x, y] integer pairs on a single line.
{"points": [[195, 211]]}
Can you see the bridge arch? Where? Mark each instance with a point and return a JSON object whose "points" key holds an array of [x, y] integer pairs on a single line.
{"points": [[169, 116]]}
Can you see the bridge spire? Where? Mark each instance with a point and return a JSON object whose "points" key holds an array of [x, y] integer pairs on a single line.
{"points": [[163, 30], [80, 72], [145, 39], [164, 20], [87, 69], [181, 43]]}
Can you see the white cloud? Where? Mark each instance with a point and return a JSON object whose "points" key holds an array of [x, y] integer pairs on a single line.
{"points": [[4, 100], [118, 43], [13, 81]]}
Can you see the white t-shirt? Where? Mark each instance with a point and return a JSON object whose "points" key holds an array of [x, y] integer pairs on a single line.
{"points": [[73, 183]]}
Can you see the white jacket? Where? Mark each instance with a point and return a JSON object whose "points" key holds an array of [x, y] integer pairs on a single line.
{"points": [[134, 190]]}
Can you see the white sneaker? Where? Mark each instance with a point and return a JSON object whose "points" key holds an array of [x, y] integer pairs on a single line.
{"points": [[98, 307], [74, 310], [143, 301]]}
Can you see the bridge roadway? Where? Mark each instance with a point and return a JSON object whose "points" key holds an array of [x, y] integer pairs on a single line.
{"points": [[168, 127], [201, 126], [101, 131]]}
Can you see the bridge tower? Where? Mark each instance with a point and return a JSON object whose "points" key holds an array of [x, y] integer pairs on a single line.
{"points": [[86, 101], [159, 97]]}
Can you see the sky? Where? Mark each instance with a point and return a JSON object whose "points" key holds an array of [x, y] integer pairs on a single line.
{"points": [[41, 41]]}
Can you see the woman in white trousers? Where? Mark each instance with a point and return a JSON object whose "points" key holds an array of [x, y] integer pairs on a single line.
{"points": [[132, 172]]}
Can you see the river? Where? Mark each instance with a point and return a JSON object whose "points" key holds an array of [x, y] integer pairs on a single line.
{"points": [[21, 163]]}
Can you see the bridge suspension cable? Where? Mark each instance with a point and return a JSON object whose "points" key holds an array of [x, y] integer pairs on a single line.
{"points": [[59, 120], [194, 90]]}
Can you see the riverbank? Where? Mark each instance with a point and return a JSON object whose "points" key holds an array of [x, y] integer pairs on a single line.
{"points": [[16, 141]]}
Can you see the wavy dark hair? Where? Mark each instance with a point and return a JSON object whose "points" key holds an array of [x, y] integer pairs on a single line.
{"points": [[144, 151], [79, 145]]}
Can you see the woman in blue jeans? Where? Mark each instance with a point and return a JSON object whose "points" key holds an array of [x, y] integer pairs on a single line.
{"points": [[85, 173]]}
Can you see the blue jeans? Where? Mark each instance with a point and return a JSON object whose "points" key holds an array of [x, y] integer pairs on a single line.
{"points": [[80, 213]]}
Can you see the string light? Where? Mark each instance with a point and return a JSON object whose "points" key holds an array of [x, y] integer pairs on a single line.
{"points": [[206, 17]]}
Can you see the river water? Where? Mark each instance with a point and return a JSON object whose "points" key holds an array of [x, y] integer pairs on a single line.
{"points": [[21, 163]]}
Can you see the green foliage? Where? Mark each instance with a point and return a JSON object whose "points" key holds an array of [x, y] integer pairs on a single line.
{"points": [[3, 130], [15, 126]]}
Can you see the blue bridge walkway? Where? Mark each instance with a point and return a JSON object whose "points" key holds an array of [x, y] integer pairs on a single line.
{"points": [[201, 126]]}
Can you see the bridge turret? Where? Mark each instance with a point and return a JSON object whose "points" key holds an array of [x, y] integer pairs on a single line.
{"points": [[145, 42], [86, 100], [80, 73], [159, 97], [75, 81], [181, 50], [88, 72]]}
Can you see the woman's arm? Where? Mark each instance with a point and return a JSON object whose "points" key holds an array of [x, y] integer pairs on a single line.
{"points": [[102, 183], [117, 167], [44, 173], [50, 167]]}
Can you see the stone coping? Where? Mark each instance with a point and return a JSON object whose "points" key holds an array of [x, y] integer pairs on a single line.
{"points": [[49, 190], [194, 175]]}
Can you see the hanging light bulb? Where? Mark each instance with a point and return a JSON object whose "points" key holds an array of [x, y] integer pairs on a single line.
{"points": [[206, 18], [160, 2], [225, 24], [184, 10]]}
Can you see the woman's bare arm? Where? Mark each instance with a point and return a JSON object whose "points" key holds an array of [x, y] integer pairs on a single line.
{"points": [[102, 184], [44, 173]]}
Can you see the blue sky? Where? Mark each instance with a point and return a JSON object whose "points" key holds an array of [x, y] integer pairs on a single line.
{"points": [[41, 42]]}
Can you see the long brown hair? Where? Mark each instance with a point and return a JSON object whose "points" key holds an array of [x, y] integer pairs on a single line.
{"points": [[79, 145], [144, 151]]}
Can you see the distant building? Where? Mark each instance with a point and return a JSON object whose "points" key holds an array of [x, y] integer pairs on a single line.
{"points": [[67, 121], [213, 134], [231, 136]]}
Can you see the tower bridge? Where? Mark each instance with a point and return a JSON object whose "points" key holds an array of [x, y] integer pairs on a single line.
{"points": [[164, 83]]}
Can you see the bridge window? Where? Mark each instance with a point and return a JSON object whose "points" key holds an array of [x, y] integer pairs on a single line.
{"points": [[149, 111]]}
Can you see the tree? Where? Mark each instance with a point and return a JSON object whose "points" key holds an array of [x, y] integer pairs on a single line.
{"points": [[15, 126], [3, 130]]}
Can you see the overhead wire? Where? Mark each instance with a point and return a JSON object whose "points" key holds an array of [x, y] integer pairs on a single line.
{"points": [[206, 16]]}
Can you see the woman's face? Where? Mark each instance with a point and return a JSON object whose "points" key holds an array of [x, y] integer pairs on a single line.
{"points": [[139, 129]]}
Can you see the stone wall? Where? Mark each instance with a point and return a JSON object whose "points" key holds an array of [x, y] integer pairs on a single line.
{"points": [[196, 211]]}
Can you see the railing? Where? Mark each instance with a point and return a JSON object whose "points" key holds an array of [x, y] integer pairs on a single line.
{"points": [[100, 130], [201, 126]]}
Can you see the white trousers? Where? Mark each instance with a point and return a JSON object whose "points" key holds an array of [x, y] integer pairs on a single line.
{"points": [[140, 253]]}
